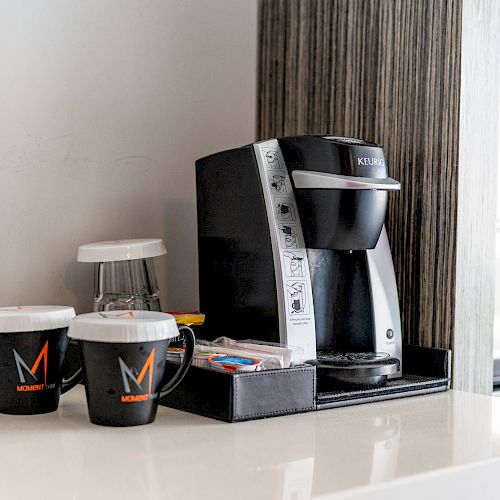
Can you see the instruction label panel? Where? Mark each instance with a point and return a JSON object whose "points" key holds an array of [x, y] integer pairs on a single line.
{"points": [[293, 281]]}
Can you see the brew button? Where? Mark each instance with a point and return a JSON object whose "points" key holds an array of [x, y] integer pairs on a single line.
{"points": [[389, 334]]}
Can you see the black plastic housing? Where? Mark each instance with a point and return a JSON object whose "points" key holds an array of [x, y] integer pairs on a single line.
{"points": [[237, 278], [333, 218], [238, 291]]}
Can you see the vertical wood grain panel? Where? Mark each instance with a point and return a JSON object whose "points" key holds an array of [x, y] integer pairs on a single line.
{"points": [[386, 71]]}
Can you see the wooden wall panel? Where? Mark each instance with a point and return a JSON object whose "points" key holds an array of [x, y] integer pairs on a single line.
{"points": [[386, 71]]}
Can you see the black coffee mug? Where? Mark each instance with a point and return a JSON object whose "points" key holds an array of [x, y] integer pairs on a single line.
{"points": [[33, 342], [124, 373]]}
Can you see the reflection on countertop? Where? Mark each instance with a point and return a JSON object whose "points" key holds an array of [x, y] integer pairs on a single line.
{"points": [[184, 456]]}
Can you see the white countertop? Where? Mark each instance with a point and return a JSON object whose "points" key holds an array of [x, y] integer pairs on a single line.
{"points": [[438, 446]]}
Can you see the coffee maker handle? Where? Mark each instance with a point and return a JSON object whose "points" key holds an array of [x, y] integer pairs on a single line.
{"points": [[307, 179], [169, 385]]}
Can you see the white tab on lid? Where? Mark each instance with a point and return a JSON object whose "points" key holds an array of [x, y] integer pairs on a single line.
{"points": [[110, 251], [18, 319], [123, 326]]}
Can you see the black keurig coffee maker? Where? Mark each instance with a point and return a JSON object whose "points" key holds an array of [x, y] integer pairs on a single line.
{"points": [[293, 249]]}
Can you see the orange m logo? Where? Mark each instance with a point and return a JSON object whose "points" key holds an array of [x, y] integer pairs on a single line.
{"points": [[128, 376], [20, 363]]}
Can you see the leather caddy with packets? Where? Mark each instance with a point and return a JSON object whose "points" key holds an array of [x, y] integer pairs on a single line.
{"points": [[239, 396], [245, 380]]}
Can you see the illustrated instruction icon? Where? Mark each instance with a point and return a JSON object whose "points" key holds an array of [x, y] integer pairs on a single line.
{"points": [[288, 236], [297, 297], [277, 183], [272, 158], [294, 264], [284, 209]]}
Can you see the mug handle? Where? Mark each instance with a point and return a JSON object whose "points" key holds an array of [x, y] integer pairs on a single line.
{"points": [[169, 386], [72, 381]]}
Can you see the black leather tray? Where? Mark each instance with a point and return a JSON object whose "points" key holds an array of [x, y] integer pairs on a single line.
{"points": [[250, 396], [244, 396]]}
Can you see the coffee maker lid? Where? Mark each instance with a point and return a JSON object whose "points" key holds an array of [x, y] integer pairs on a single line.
{"points": [[109, 251], [354, 141], [17, 319], [123, 326]]}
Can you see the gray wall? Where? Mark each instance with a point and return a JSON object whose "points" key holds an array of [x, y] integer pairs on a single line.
{"points": [[104, 108]]}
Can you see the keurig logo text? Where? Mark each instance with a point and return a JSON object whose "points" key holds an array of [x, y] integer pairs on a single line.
{"points": [[377, 162], [129, 377], [23, 369]]}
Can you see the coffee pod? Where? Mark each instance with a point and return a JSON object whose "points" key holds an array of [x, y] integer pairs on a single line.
{"points": [[232, 364], [33, 342]]}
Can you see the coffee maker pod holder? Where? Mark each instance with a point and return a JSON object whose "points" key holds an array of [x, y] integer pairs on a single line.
{"points": [[238, 397]]}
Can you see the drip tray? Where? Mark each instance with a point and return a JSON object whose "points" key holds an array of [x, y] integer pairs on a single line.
{"points": [[425, 370], [408, 385]]}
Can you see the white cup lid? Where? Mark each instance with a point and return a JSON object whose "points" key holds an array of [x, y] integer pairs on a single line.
{"points": [[123, 326], [17, 319], [109, 251]]}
